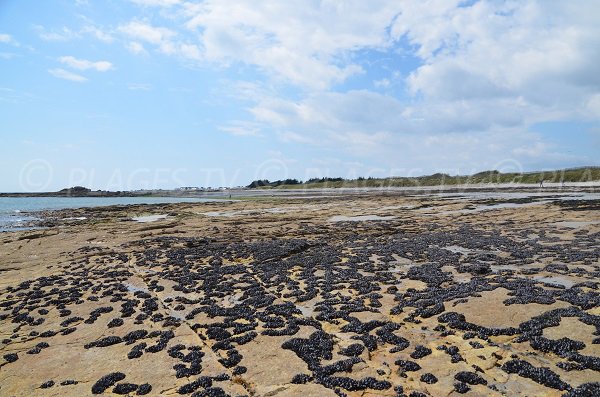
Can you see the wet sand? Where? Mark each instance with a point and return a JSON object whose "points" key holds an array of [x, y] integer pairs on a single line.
{"points": [[375, 294]]}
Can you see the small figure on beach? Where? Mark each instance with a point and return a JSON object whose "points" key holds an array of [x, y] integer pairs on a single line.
{"points": [[541, 183]]}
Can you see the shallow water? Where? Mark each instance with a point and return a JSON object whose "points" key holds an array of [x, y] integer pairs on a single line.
{"points": [[360, 218], [135, 288], [149, 218], [458, 249], [519, 195], [273, 210], [557, 280], [482, 208], [576, 224], [15, 212], [516, 268]]}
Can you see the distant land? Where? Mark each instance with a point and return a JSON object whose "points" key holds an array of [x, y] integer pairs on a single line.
{"points": [[571, 175], [80, 191]]}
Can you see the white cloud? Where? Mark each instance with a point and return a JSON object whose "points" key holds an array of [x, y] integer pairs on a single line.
{"points": [[166, 41], [357, 121], [471, 134], [68, 34], [298, 42], [66, 75], [481, 50], [63, 34], [142, 31], [293, 137], [156, 3], [163, 38], [503, 63], [537, 51], [190, 51], [136, 48], [98, 33], [533, 150], [480, 71], [83, 64], [593, 106], [488, 69], [306, 44], [6, 38], [241, 128], [382, 83], [352, 111]]}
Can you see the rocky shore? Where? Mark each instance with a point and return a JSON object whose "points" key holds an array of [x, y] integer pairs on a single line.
{"points": [[375, 294]]}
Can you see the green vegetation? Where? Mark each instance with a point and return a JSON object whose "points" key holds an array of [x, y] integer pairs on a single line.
{"points": [[75, 191], [583, 174], [266, 183]]}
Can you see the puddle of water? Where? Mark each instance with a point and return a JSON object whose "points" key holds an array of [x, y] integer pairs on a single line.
{"points": [[400, 269], [567, 283], [258, 211], [398, 207], [482, 208], [232, 300], [556, 279], [575, 224], [179, 316], [306, 311], [508, 205], [134, 288], [518, 195], [216, 213], [497, 268], [149, 218], [229, 214], [360, 218], [582, 196], [459, 250]]}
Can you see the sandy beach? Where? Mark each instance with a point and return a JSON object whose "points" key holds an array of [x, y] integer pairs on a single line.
{"points": [[364, 294]]}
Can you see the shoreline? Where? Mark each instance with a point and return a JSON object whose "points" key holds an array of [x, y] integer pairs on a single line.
{"points": [[35, 212], [51, 217], [249, 192]]}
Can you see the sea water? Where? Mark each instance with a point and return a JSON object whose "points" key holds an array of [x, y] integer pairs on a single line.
{"points": [[16, 212]]}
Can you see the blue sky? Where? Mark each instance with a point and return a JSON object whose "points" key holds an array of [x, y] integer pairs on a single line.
{"points": [[134, 94]]}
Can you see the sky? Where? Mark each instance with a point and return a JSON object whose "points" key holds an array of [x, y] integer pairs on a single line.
{"points": [[139, 94]]}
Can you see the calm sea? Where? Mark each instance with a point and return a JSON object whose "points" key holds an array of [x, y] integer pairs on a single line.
{"points": [[14, 210]]}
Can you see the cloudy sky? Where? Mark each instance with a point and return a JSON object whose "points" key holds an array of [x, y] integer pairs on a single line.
{"points": [[116, 94]]}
